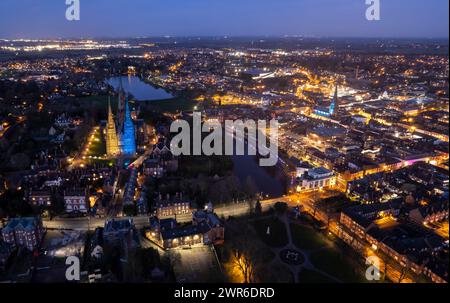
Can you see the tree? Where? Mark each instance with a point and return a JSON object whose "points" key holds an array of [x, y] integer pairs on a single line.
{"points": [[250, 187], [258, 208], [234, 186], [129, 210], [386, 263], [14, 204], [219, 192], [58, 205], [404, 271], [19, 161], [280, 208], [245, 253], [174, 258], [243, 262]]}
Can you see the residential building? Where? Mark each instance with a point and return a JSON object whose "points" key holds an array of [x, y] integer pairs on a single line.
{"points": [[205, 229], [24, 232], [40, 198], [76, 201], [172, 207], [433, 213]]}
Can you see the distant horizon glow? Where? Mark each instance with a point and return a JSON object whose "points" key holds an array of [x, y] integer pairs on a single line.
{"points": [[30, 19]]}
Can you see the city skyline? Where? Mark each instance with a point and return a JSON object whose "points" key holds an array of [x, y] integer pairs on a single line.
{"points": [[117, 19], [224, 142]]}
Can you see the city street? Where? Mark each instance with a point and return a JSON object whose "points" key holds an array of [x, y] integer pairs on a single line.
{"points": [[86, 223]]}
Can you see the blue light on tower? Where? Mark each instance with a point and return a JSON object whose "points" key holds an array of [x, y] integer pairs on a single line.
{"points": [[332, 105], [328, 112], [128, 136]]}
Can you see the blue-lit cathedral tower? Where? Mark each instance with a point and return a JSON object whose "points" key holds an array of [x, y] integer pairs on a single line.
{"points": [[335, 102], [125, 137], [332, 109]]}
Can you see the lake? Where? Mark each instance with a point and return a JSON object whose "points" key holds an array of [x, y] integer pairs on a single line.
{"points": [[141, 90], [269, 180]]}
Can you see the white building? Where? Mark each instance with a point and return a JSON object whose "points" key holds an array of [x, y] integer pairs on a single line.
{"points": [[316, 179], [76, 201]]}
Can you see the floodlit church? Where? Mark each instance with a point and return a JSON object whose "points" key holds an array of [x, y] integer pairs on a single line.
{"points": [[332, 109], [120, 136]]}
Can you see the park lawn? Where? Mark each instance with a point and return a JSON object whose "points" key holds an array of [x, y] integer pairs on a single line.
{"points": [[278, 234], [306, 238], [336, 264], [275, 273], [97, 149], [311, 276]]}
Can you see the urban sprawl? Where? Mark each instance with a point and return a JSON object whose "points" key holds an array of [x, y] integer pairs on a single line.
{"points": [[86, 167]]}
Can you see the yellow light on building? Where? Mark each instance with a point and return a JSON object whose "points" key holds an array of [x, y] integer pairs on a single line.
{"points": [[92, 201]]}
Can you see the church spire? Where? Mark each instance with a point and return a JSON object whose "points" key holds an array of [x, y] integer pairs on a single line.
{"points": [[110, 114], [335, 102], [128, 140], [336, 93], [112, 143], [121, 106]]}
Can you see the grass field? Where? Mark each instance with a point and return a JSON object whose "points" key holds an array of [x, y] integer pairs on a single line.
{"points": [[311, 276], [278, 235], [97, 148], [306, 238], [336, 264]]}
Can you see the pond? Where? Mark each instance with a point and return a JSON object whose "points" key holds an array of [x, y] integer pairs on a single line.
{"points": [[141, 90]]}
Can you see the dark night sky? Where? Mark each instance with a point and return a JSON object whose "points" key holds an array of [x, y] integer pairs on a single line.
{"points": [[133, 18]]}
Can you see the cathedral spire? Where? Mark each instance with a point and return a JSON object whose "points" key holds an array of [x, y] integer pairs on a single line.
{"points": [[335, 102], [121, 106], [112, 143], [336, 93], [128, 140]]}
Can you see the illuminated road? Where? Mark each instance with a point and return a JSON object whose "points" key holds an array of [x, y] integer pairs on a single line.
{"points": [[80, 159], [86, 223]]}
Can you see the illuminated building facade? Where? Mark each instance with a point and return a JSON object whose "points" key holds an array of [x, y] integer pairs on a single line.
{"points": [[128, 140], [112, 141], [120, 140]]}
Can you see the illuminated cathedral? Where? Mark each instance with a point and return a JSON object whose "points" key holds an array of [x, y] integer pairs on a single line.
{"points": [[112, 140], [120, 136], [332, 109]]}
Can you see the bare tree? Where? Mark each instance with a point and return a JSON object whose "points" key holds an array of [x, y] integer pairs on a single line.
{"points": [[386, 261], [245, 253], [404, 271]]}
